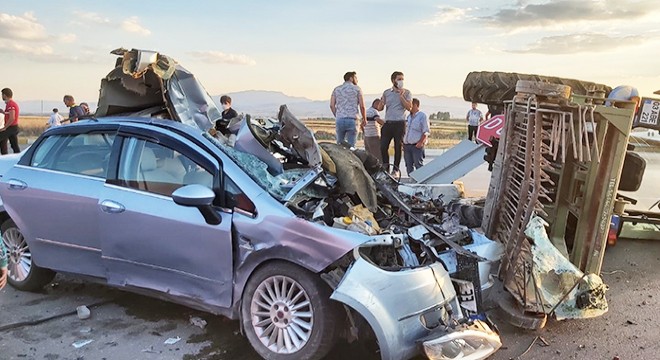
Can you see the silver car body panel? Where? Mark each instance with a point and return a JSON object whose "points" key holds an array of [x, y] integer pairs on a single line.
{"points": [[393, 302]]}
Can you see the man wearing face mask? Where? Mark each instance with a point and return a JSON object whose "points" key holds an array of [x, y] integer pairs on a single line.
{"points": [[345, 102], [396, 101]]}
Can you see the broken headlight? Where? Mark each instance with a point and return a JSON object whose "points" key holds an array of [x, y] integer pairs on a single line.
{"points": [[475, 342]]}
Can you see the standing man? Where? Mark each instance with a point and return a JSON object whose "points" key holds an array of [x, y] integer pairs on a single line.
{"points": [[474, 118], [9, 130], [417, 131], [55, 119], [345, 101], [396, 101], [371, 129], [75, 111]]}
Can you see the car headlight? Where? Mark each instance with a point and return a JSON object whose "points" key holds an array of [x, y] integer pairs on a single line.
{"points": [[473, 343]]}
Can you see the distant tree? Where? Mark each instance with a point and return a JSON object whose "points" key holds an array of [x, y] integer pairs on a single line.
{"points": [[442, 115], [432, 117]]}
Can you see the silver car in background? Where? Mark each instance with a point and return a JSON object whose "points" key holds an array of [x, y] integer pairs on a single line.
{"points": [[143, 198]]}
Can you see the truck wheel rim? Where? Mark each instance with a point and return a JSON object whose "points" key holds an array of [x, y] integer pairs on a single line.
{"points": [[20, 257], [282, 314]]}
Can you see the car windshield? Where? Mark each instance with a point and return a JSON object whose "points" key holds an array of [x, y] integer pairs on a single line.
{"points": [[278, 186]]}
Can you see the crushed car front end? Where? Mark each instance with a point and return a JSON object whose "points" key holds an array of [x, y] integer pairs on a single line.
{"points": [[410, 309]]}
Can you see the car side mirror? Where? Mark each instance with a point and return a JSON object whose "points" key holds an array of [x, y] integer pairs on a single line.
{"points": [[198, 196]]}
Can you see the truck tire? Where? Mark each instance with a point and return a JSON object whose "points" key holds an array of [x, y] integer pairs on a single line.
{"points": [[489, 87]]}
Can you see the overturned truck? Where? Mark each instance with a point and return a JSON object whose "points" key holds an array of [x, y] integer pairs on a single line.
{"points": [[556, 171]]}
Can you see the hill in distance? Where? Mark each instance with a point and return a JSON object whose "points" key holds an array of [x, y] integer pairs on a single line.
{"points": [[267, 103]]}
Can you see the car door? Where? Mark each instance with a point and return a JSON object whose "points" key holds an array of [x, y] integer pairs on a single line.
{"points": [[52, 195], [150, 242]]}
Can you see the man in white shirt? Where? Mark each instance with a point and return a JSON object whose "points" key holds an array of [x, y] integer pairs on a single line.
{"points": [[346, 104], [474, 118], [55, 119]]}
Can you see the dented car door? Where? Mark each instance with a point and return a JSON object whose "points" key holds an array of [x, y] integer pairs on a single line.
{"points": [[149, 241]]}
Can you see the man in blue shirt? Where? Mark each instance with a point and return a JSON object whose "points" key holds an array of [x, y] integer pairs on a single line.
{"points": [[75, 111], [417, 132]]}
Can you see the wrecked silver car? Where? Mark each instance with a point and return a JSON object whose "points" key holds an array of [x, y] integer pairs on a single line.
{"points": [[303, 242]]}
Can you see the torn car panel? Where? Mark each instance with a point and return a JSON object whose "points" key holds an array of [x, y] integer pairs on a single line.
{"points": [[405, 307]]}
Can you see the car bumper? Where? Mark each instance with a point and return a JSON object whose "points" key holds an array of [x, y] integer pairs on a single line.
{"points": [[412, 311]]}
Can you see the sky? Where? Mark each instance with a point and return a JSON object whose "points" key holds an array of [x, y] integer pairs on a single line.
{"points": [[303, 47]]}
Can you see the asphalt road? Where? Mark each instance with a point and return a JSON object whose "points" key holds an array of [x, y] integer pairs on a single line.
{"points": [[128, 326]]}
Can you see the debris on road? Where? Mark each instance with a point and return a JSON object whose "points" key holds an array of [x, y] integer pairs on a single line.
{"points": [[172, 341], [197, 321], [83, 312], [80, 343]]}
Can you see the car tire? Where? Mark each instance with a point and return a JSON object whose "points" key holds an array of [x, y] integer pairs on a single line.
{"points": [[23, 273], [268, 313], [494, 88]]}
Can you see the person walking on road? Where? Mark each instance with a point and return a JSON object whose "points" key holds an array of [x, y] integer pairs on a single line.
{"points": [[9, 129], [474, 117], [345, 102], [417, 131], [371, 129], [55, 119], [75, 111], [397, 102]]}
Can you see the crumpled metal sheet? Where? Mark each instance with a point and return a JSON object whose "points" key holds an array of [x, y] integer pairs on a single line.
{"points": [[298, 136], [137, 62], [556, 278], [351, 175]]}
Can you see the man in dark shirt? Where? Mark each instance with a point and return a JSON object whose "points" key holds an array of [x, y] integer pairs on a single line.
{"points": [[227, 114], [75, 111], [9, 131]]}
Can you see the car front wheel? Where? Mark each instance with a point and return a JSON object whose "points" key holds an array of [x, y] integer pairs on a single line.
{"points": [[287, 313], [23, 273]]}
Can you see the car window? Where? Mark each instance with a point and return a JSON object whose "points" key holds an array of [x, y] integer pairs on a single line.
{"points": [[151, 167], [84, 154], [235, 198]]}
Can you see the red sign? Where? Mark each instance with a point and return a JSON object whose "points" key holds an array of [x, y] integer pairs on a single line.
{"points": [[491, 127]]}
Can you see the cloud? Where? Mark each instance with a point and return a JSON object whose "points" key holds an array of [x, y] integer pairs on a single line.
{"points": [[568, 11], [577, 43], [68, 38], [87, 17], [132, 25], [447, 14], [25, 27], [38, 53], [218, 57]]}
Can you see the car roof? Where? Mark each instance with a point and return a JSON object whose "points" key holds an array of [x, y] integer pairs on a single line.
{"points": [[128, 120]]}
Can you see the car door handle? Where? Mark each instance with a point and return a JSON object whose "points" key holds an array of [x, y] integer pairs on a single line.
{"points": [[15, 184], [112, 207]]}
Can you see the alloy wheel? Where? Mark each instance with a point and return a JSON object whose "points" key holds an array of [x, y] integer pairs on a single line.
{"points": [[282, 314]]}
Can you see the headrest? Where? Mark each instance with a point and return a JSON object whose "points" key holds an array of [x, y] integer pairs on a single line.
{"points": [[148, 161]]}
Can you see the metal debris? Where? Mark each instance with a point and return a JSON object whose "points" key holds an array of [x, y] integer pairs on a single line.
{"points": [[172, 341], [80, 343]]}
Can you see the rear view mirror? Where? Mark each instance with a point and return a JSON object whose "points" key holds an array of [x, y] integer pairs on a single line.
{"points": [[198, 196]]}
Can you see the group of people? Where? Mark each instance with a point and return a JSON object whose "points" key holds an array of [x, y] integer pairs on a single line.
{"points": [[9, 122], [403, 122], [75, 112]]}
